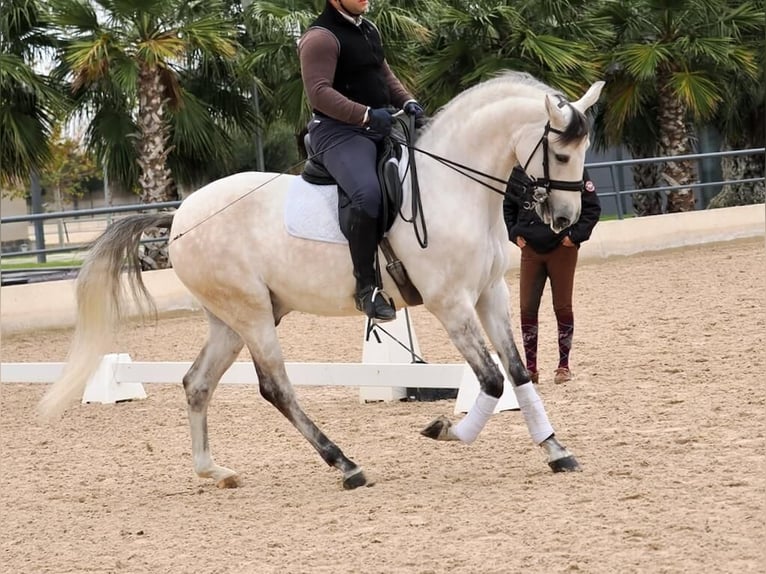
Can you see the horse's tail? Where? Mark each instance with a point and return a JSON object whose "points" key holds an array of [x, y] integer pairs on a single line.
{"points": [[101, 301]]}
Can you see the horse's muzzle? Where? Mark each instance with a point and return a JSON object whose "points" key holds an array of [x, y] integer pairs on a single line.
{"points": [[562, 222]]}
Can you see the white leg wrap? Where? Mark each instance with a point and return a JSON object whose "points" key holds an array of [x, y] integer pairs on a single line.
{"points": [[468, 429], [534, 412]]}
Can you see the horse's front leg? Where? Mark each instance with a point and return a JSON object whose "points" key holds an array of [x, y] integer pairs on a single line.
{"points": [[220, 351], [495, 317], [462, 324]]}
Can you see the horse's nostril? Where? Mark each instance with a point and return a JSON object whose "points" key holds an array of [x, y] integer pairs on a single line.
{"points": [[562, 222]]}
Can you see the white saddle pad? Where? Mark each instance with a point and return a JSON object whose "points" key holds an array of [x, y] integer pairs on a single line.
{"points": [[311, 211]]}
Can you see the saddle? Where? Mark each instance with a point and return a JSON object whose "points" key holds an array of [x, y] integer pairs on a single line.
{"points": [[389, 156]]}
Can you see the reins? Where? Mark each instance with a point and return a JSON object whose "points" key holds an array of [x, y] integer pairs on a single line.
{"points": [[416, 204], [457, 166]]}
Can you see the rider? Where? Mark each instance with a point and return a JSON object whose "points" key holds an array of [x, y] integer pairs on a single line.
{"points": [[351, 88]]}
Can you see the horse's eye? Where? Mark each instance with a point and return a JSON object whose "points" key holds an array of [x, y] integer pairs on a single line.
{"points": [[561, 158]]}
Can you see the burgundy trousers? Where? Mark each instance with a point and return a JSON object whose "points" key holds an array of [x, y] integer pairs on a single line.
{"points": [[558, 267]]}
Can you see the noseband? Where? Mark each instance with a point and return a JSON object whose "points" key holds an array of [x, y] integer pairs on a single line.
{"points": [[541, 188]]}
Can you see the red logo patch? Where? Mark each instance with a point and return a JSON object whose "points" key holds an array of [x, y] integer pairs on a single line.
{"points": [[589, 186]]}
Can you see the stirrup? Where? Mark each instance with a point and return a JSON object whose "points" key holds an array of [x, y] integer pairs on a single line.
{"points": [[378, 308]]}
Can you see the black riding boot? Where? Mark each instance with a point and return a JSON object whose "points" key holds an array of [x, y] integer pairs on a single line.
{"points": [[362, 235]]}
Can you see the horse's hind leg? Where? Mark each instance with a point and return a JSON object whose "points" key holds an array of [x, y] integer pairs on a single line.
{"points": [[220, 351], [276, 388], [495, 317]]}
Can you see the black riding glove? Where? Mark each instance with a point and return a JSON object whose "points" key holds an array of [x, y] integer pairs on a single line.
{"points": [[413, 108], [380, 120]]}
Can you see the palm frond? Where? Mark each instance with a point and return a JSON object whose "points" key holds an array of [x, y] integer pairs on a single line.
{"points": [[555, 53], [642, 61], [699, 93]]}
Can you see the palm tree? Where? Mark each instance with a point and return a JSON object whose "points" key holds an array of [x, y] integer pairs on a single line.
{"points": [[29, 100], [639, 135], [742, 122], [677, 55], [127, 60], [273, 31], [217, 118], [743, 126], [473, 40]]}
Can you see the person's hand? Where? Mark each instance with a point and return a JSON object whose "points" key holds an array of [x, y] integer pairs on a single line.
{"points": [[521, 242], [380, 120], [567, 242], [414, 109]]}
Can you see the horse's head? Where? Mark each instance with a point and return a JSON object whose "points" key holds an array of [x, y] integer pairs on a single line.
{"points": [[555, 158]]}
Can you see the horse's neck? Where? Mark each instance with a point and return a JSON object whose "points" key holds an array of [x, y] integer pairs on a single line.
{"points": [[483, 140]]}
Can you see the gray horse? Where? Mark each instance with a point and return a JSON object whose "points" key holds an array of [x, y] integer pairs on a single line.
{"points": [[230, 248]]}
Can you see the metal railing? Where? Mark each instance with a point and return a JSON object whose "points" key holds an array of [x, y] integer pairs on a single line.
{"points": [[618, 193], [64, 271], [92, 211]]}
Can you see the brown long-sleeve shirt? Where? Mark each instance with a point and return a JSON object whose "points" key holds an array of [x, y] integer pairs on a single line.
{"points": [[318, 50]]}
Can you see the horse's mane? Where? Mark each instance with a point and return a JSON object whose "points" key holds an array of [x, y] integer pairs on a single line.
{"points": [[507, 84], [521, 82]]}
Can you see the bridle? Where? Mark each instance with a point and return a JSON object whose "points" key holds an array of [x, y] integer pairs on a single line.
{"points": [[540, 188]]}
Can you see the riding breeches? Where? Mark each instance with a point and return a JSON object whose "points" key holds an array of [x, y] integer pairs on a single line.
{"points": [[349, 153], [536, 268], [558, 266]]}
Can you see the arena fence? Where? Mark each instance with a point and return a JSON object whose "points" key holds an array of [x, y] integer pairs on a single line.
{"points": [[614, 194], [391, 369]]}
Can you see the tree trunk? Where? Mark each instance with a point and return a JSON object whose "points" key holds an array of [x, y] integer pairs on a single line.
{"points": [[155, 179], [154, 134], [741, 167], [674, 140], [59, 208], [645, 176]]}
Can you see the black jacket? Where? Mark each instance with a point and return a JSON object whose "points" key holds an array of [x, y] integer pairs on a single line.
{"points": [[539, 236], [359, 73]]}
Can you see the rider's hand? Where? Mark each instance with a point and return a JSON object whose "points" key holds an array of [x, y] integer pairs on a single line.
{"points": [[380, 120], [521, 242], [413, 108], [567, 242]]}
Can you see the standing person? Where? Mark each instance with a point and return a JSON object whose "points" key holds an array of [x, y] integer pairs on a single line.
{"points": [[351, 88], [548, 255]]}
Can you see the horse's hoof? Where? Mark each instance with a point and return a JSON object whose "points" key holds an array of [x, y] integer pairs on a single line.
{"points": [[566, 464], [229, 482], [354, 480], [438, 429]]}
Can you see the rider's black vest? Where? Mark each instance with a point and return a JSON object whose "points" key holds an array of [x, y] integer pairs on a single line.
{"points": [[359, 72]]}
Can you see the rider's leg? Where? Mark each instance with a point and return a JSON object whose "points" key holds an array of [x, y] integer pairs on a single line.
{"points": [[349, 154], [362, 237]]}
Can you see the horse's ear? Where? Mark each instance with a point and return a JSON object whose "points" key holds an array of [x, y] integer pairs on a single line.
{"points": [[590, 97], [555, 113]]}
